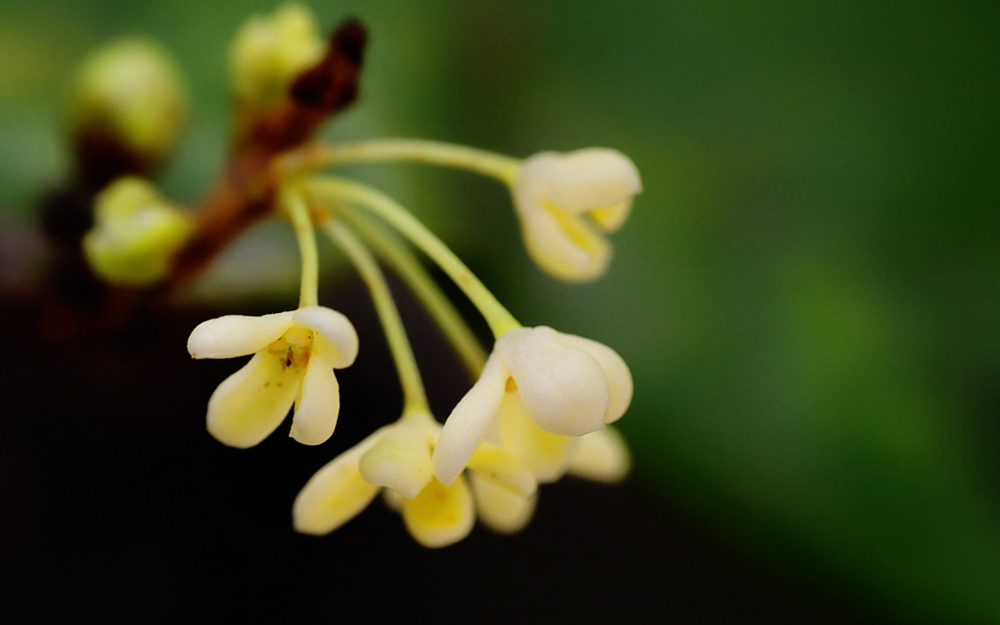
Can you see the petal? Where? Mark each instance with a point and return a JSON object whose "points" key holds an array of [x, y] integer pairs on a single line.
{"points": [[583, 180], [469, 421], [563, 387], [616, 372], [252, 403], [237, 335], [501, 509], [562, 244], [440, 515], [602, 456], [547, 455], [336, 493], [503, 468], [340, 337], [316, 412], [611, 218], [401, 460]]}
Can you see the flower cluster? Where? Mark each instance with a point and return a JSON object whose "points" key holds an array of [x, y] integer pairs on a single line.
{"points": [[542, 401]]}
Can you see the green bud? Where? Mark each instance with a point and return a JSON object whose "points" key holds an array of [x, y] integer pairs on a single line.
{"points": [[136, 232], [270, 51], [130, 92]]}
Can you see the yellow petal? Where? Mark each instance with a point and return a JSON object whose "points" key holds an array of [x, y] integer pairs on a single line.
{"points": [[504, 468], [252, 403], [440, 515], [602, 456], [401, 460], [564, 244], [316, 412], [336, 493], [499, 508], [237, 335], [612, 218], [546, 455]]}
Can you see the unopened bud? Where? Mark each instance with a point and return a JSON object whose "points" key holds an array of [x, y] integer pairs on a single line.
{"points": [[135, 234], [269, 52], [129, 98]]}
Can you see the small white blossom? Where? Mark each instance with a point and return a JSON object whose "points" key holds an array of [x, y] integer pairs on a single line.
{"points": [[565, 201], [398, 458], [567, 385], [294, 355]]}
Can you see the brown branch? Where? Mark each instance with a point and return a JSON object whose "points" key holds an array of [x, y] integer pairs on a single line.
{"points": [[245, 192]]}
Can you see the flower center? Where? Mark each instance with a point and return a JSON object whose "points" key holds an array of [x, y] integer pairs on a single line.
{"points": [[293, 348]]}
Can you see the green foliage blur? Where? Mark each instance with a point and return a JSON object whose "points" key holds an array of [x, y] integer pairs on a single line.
{"points": [[808, 292]]}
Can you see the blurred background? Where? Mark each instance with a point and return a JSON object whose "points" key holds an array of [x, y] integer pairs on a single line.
{"points": [[808, 294]]}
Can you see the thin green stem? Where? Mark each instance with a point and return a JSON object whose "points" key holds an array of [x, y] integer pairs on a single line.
{"points": [[407, 266], [295, 206], [340, 190], [503, 168], [414, 396]]}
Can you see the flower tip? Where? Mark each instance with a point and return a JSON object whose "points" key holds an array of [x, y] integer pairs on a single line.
{"points": [[565, 201], [440, 515], [602, 456]]}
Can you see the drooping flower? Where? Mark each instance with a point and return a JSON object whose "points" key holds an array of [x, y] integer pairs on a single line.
{"points": [[398, 458], [567, 385], [565, 201], [294, 355]]}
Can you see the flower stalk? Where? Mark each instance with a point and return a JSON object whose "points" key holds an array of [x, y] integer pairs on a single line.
{"points": [[339, 190], [313, 156], [414, 397]]}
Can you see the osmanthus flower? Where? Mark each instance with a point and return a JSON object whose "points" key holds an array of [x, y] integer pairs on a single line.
{"points": [[398, 458], [601, 456], [565, 203], [566, 385], [294, 355]]}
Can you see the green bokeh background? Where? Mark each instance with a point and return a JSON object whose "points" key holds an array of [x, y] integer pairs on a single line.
{"points": [[808, 292]]}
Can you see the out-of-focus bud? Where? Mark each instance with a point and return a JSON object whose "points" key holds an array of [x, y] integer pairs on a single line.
{"points": [[129, 103], [270, 51], [135, 234]]}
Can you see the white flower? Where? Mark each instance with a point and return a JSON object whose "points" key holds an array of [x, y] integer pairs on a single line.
{"points": [[294, 356], [567, 385], [398, 458], [564, 201]]}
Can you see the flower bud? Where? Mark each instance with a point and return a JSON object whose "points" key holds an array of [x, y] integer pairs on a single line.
{"points": [[566, 202], [270, 51], [135, 234], [129, 95]]}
